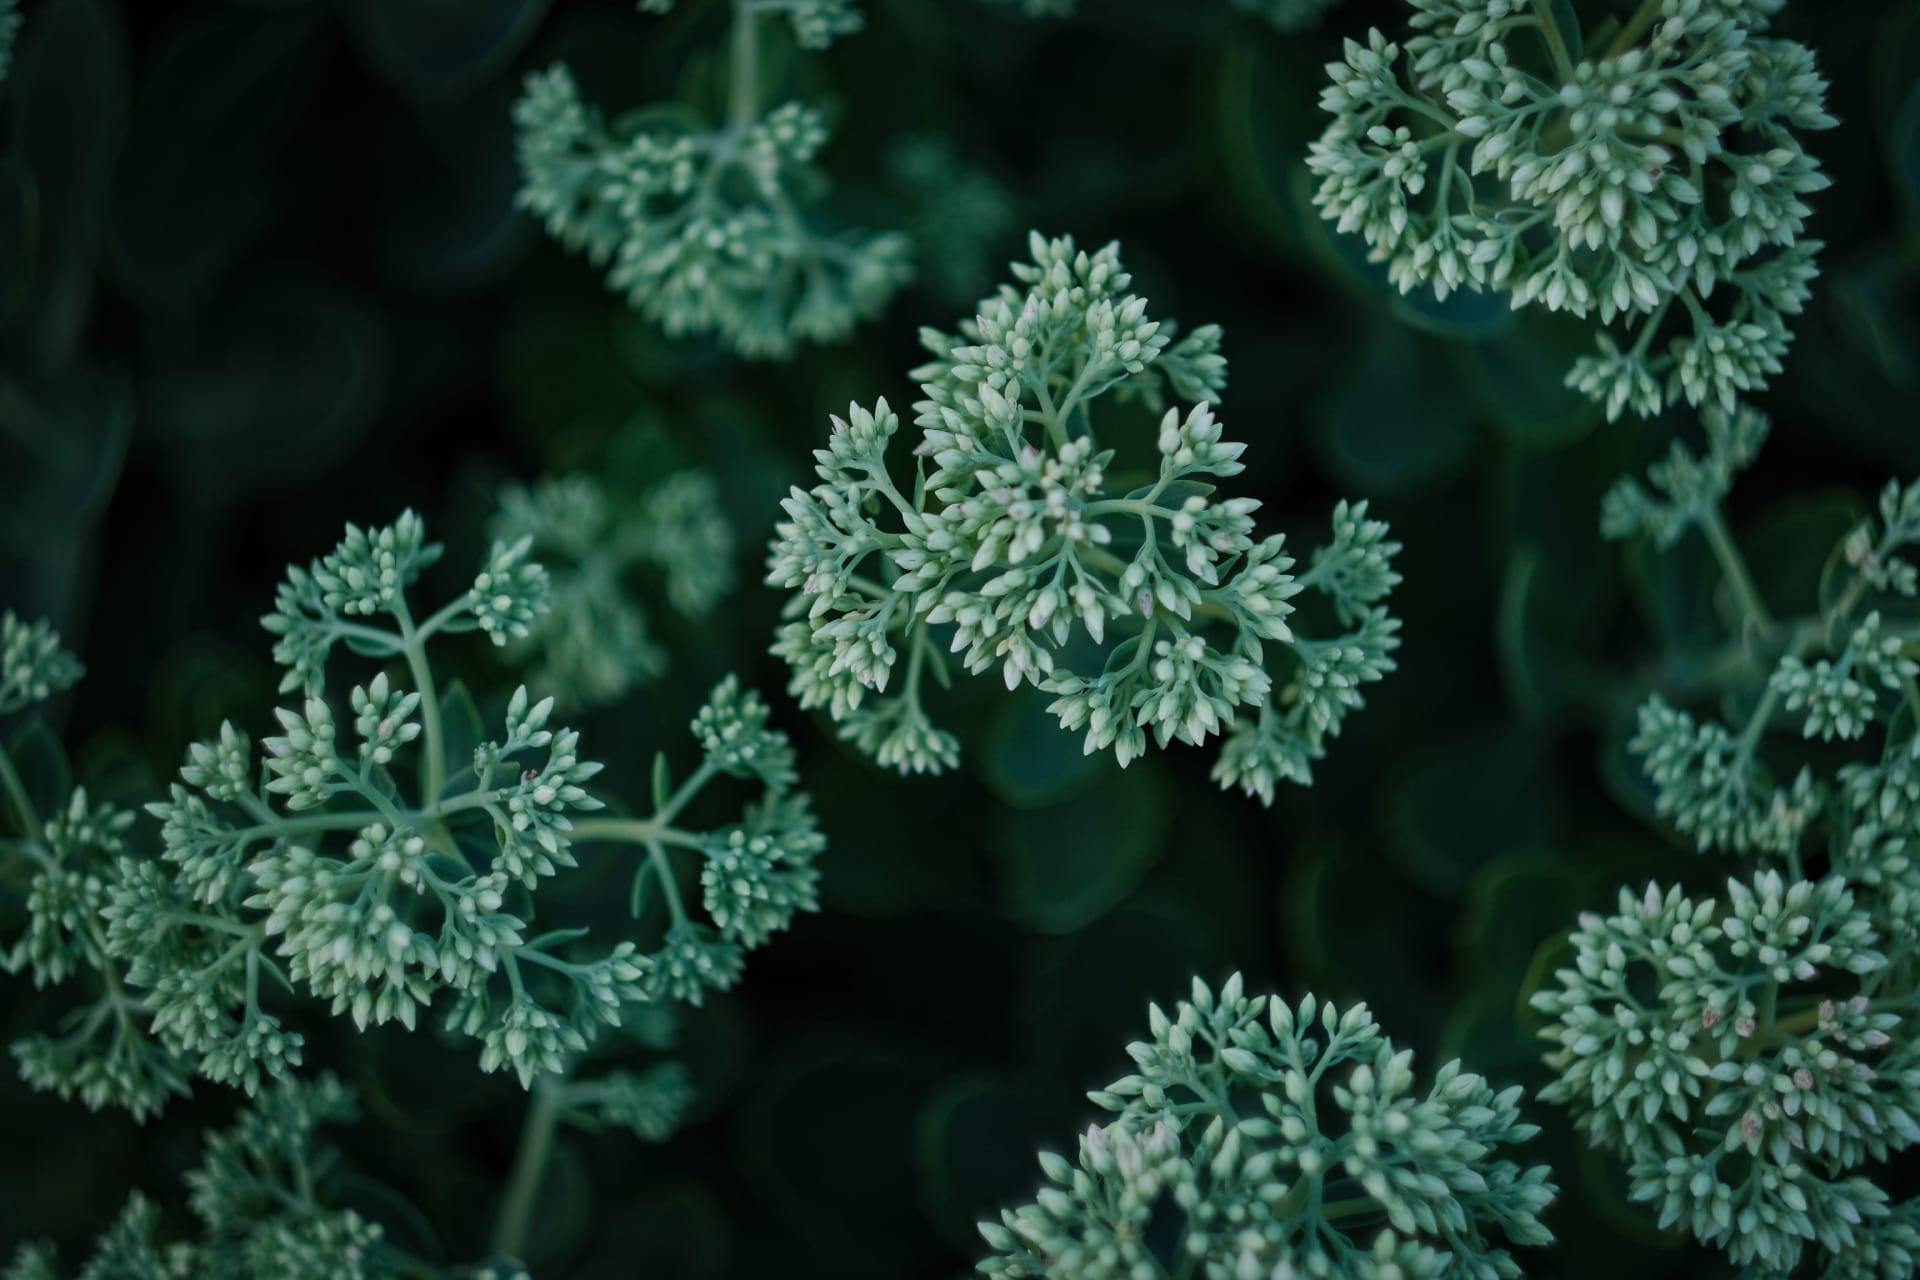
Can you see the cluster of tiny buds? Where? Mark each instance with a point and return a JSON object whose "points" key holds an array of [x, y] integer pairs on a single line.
{"points": [[402, 858], [1743, 1026]]}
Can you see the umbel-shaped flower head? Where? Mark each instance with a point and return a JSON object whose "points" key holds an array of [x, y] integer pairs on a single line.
{"points": [[1263, 1139], [1739, 1057], [1094, 560], [1752, 1059], [387, 852], [1650, 172]]}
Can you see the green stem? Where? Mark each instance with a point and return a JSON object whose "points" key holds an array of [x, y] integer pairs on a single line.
{"points": [[691, 787], [1556, 42], [916, 663], [529, 1171], [648, 830], [663, 871], [744, 89], [1333, 1209], [1636, 27], [433, 774], [1734, 566], [1911, 692], [625, 830], [24, 812]]}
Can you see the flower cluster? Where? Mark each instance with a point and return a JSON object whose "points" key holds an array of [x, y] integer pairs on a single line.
{"points": [[1643, 171], [595, 643], [702, 228], [1098, 576], [1748, 1094], [259, 1198], [1263, 1139], [391, 857], [1750, 1058]]}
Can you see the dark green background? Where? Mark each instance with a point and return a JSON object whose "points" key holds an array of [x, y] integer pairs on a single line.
{"points": [[277, 283]]}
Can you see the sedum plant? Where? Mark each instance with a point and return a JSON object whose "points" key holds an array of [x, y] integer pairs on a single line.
{"points": [[595, 643], [1257, 1138], [1021, 537], [701, 225], [1750, 1056], [392, 855], [1649, 172], [260, 1196]]}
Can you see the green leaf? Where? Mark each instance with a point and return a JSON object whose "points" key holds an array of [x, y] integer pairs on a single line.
{"points": [[662, 781], [1393, 422], [462, 728], [1519, 379], [1788, 548], [439, 48], [973, 1147], [1030, 762], [1355, 930], [1479, 796], [1541, 677], [41, 761], [1065, 865]]}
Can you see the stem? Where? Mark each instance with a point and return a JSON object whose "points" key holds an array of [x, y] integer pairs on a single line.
{"points": [[648, 830], [917, 661], [433, 776], [1333, 1209], [1556, 42], [529, 1171], [688, 789], [1636, 27], [663, 871], [744, 89], [28, 816], [627, 830], [1734, 566], [1749, 740]]}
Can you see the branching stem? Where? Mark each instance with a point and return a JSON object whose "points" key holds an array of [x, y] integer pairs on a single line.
{"points": [[24, 813], [1734, 566], [529, 1170], [1636, 27], [1556, 40], [433, 773], [744, 85]]}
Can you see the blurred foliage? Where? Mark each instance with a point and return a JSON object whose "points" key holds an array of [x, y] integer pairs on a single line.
{"points": [[261, 273]]}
